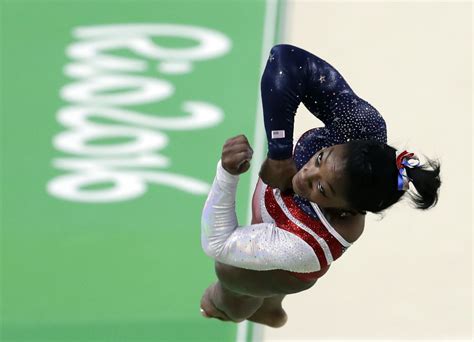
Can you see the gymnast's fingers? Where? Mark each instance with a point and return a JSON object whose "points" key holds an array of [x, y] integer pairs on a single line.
{"points": [[240, 139]]}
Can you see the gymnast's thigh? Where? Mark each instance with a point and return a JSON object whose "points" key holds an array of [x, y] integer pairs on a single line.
{"points": [[259, 283]]}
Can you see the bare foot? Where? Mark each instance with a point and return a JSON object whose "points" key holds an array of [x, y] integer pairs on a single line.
{"points": [[208, 309], [271, 313]]}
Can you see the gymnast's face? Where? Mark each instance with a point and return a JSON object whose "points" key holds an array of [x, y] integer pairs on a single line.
{"points": [[322, 179]]}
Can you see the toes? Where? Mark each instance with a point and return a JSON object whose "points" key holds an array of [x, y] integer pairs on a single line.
{"points": [[204, 313], [208, 309], [278, 318]]}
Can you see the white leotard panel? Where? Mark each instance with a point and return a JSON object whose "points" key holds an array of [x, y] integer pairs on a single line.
{"points": [[258, 247]]}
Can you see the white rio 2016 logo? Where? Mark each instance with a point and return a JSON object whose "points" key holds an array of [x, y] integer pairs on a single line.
{"points": [[97, 73]]}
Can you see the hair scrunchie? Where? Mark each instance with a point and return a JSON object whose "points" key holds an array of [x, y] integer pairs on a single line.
{"points": [[405, 159]]}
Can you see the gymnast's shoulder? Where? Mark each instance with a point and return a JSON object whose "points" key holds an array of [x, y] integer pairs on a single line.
{"points": [[349, 227]]}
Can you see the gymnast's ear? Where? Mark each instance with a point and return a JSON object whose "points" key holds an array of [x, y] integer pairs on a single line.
{"points": [[426, 180]]}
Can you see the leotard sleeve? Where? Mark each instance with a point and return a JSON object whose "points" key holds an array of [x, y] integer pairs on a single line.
{"points": [[259, 247], [293, 75]]}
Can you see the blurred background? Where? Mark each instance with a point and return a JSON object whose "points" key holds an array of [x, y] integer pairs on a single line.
{"points": [[113, 114]]}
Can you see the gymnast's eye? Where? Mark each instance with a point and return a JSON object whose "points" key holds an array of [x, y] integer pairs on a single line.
{"points": [[319, 158], [321, 189]]}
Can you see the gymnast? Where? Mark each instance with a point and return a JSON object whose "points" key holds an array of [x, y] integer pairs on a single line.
{"points": [[310, 202]]}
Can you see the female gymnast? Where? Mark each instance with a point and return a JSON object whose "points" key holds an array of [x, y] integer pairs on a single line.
{"points": [[310, 203]]}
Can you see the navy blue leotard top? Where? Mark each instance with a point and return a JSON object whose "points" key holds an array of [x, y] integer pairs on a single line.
{"points": [[293, 76]]}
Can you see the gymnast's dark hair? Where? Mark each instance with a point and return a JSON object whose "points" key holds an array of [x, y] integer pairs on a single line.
{"points": [[373, 178]]}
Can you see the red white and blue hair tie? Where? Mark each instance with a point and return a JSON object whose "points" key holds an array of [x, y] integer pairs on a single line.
{"points": [[405, 159]]}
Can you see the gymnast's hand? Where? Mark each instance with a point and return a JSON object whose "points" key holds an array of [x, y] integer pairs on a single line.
{"points": [[278, 173], [236, 155]]}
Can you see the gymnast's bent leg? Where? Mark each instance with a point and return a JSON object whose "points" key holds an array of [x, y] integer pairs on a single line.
{"points": [[246, 294]]}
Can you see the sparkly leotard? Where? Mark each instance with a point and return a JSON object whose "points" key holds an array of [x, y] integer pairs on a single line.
{"points": [[290, 233]]}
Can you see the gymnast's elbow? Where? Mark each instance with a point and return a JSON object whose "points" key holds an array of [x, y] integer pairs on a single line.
{"points": [[282, 49], [207, 246], [210, 249]]}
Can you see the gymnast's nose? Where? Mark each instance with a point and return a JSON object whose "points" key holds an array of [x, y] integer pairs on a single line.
{"points": [[310, 174]]}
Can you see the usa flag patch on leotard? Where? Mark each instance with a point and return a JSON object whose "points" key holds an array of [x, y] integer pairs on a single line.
{"points": [[278, 134]]}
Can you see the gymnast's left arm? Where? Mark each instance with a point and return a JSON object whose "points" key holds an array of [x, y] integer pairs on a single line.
{"points": [[259, 247]]}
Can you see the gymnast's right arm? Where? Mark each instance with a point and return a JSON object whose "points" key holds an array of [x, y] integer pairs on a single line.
{"points": [[291, 76]]}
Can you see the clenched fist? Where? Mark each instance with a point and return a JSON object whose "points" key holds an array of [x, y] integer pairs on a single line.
{"points": [[278, 173], [236, 155]]}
